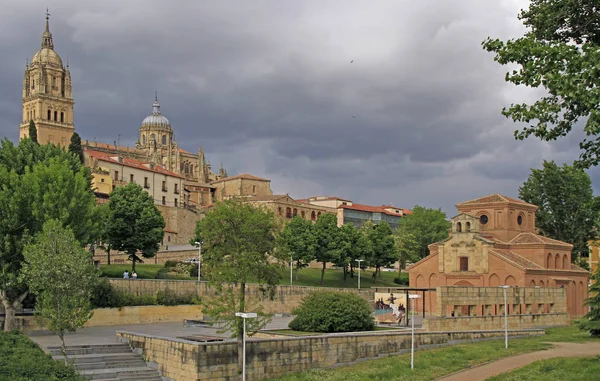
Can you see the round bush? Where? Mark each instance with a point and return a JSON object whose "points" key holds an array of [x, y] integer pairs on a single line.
{"points": [[330, 311]]}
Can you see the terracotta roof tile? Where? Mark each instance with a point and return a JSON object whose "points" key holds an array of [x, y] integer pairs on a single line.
{"points": [[529, 238], [515, 258], [242, 176], [494, 199], [128, 162]]}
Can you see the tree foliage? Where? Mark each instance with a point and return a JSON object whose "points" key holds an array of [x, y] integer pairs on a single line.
{"points": [[38, 183], [135, 224], [330, 311], [591, 321], [75, 146], [329, 242], [239, 247], [560, 52], [60, 273], [426, 225], [407, 246], [33, 132], [383, 248], [568, 210], [298, 241]]}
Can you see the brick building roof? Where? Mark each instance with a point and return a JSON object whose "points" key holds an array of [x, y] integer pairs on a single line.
{"points": [[495, 199], [515, 258], [242, 176], [374, 209], [128, 162], [529, 238]]}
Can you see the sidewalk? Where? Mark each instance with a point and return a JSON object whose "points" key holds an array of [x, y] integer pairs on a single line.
{"points": [[483, 372]]}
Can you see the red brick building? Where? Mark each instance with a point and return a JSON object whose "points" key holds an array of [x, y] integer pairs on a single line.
{"points": [[494, 242]]}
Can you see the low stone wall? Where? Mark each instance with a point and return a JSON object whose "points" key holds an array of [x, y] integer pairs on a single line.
{"points": [[495, 322], [186, 360], [127, 315], [286, 299], [160, 258]]}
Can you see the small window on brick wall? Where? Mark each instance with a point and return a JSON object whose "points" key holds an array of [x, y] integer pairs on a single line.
{"points": [[464, 264]]}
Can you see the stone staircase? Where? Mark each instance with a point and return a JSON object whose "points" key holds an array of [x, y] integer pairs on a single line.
{"points": [[108, 362]]}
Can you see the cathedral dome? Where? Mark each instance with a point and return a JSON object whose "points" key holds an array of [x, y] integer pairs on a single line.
{"points": [[47, 56], [156, 119]]}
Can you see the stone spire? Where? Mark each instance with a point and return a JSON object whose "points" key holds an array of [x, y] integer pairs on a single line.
{"points": [[156, 105], [47, 36]]}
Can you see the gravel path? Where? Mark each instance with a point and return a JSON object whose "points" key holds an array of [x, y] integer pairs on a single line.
{"points": [[518, 361]]}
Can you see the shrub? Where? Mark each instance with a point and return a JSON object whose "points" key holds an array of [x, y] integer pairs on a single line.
{"points": [[21, 359], [401, 281], [104, 295], [330, 311], [168, 297]]}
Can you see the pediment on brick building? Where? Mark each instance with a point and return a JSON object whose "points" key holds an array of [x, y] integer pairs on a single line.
{"points": [[495, 198], [528, 238]]}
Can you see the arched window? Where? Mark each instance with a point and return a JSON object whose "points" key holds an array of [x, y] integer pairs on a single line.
{"points": [[33, 83], [464, 263], [549, 261], [458, 227], [62, 117], [164, 139], [49, 115], [187, 168], [181, 169], [557, 262], [565, 262], [302, 213], [468, 227], [55, 116], [318, 214], [288, 212], [153, 137], [313, 215], [295, 212], [144, 139]]}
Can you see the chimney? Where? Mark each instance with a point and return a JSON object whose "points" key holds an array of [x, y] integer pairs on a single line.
{"points": [[120, 159]]}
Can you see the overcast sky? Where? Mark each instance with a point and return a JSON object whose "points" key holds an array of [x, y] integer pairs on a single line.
{"points": [[268, 88]]}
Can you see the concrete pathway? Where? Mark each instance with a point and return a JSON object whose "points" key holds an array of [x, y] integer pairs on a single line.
{"points": [[485, 371], [106, 334]]}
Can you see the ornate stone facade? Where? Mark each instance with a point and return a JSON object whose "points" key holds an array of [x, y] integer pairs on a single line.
{"points": [[493, 242], [47, 95]]}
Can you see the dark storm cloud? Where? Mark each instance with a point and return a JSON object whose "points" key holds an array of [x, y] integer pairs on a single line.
{"points": [[268, 88]]}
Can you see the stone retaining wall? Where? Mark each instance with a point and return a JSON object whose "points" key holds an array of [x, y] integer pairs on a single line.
{"points": [[286, 299], [186, 360], [495, 322]]}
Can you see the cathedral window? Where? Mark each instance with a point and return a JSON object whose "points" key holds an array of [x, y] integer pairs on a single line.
{"points": [[55, 116], [49, 115], [144, 139], [164, 139], [458, 227], [187, 168], [520, 220], [62, 117], [464, 263], [153, 137], [468, 227], [32, 84]]}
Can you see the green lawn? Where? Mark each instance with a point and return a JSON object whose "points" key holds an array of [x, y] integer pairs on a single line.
{"points": [[143, 271], [434, 363], [306, 277], [558, 369]]}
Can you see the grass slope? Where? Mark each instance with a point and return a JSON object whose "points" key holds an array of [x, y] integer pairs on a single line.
{"points": [[306, 277], [22, 360], [558, 369], [434, 363]]}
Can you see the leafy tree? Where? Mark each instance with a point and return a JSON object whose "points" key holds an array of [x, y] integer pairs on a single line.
{"points": [[38, 183], [591, 321], [60, 272], [135, 224], [331, 311], [239, 247], [560, 52], [33, 132], [75, 146], [329, 247], [298, 241], [407, 246], [383, 246], [103, 242], [427, 225], [568, 210], [357, 246]]}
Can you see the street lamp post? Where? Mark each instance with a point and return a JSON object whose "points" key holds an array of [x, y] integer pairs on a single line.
{"points": [[412, 341], [244, 316], [291, 268], [199, 244], [505, 317], [359, 261]]}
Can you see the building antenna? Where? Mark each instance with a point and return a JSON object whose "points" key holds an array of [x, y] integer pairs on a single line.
{"points": [[119, 140]]}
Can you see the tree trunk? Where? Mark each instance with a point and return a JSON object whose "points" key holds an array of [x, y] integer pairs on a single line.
{"points": [[351, 270], [10, 310], [297, 269], [133, 264], [323, 272], [63, 346], [108, 254], [345, 273], [240, 327], [378, 270]]}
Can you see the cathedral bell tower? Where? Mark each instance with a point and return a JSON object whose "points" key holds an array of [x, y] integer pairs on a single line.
{"points": [[47, 95]]}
